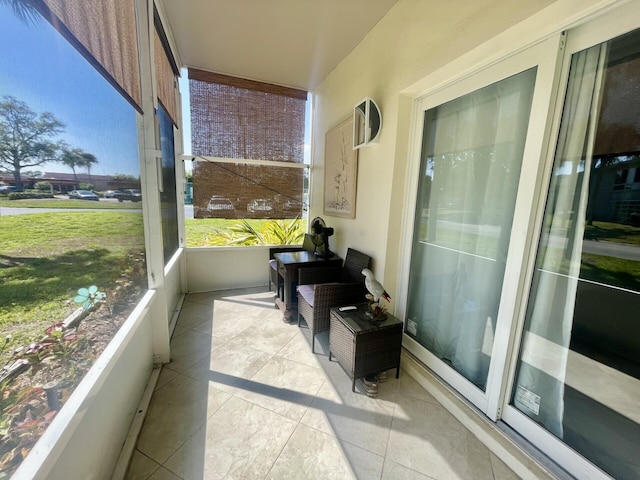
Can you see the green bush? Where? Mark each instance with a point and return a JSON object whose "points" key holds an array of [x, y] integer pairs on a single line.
{"points": [[27, 195], [43, 186]]}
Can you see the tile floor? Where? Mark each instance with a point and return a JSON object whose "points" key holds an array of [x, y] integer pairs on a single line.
{"points": [[244, 398]]}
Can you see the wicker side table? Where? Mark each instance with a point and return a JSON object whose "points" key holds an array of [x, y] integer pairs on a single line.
{"points": [[363, 347]]}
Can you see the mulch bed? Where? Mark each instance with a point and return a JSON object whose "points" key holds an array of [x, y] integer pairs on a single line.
{"points": [[30, 400]]}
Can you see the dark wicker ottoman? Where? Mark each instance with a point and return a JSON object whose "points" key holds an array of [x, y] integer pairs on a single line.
{"points": [[363, 347]]}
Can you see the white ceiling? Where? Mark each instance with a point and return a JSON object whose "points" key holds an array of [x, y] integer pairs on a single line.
{"points": [[295, 43]]}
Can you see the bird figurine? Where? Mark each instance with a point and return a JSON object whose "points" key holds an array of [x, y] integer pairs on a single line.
{"points": [[376, 291]]}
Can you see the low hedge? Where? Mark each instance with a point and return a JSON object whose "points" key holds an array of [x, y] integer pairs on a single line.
{"points": [[26, 195]]}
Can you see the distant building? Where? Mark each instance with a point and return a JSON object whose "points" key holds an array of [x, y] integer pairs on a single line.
{"points": [[65, 182]]}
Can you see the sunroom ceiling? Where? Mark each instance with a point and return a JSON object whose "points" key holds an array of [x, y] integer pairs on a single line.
{"points": [[295, 43]]}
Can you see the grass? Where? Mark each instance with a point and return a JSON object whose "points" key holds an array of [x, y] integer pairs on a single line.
{"points": [[611, 271], [613, 232], [46, 257], [40, 234], [66, 203]]}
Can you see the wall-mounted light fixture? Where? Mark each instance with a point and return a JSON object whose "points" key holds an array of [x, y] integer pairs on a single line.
{"points": [[367, 122]]}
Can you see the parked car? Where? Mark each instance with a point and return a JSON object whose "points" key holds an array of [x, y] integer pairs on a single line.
{"points": [[131, 194], [219, 202], [8, 189], [259, 205], [83, 195], [110, 193], [294, 206]]}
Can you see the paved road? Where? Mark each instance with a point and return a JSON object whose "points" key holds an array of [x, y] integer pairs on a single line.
{"points": [[612, 249]]}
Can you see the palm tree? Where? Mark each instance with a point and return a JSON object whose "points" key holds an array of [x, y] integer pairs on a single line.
{"points": [[75, 158], [273, 232], [88, 160], [24, 10]]}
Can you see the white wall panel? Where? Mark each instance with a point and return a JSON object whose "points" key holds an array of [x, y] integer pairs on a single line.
{"points": [[222, 268]]}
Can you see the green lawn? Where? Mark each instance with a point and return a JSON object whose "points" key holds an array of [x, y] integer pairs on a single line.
{"points": [[612, 232], [46, 257], [66, 203]]}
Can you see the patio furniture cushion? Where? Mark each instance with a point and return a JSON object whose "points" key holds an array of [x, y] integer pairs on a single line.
{"points": [[274, 278], [307, 292]]}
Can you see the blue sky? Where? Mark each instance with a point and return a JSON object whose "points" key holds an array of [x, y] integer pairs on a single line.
{"points": [[42, 69]]}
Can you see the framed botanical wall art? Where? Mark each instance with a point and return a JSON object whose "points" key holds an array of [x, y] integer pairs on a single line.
{"points": [[340, 171]]}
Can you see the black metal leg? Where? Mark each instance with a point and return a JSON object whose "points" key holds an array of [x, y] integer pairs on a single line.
{"points": [[353, 384], [398, 372], [313, 344], [329, 355]]}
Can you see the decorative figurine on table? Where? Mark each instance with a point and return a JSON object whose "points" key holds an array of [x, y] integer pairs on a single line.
{"points": [[376, 312]]}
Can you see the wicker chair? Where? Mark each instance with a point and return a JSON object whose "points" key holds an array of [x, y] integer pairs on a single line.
{"points": [[274, 278], [322, 288]]}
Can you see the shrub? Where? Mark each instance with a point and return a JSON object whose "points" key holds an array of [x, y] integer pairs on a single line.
{"points": [[43, 186], [27, 195], [273, 232]]}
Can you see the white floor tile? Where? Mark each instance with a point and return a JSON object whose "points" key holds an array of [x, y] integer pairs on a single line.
{"points": [[241, 440], [244, 398]]}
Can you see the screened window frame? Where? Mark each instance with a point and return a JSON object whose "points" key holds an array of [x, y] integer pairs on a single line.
{"points": [[226, 110]]}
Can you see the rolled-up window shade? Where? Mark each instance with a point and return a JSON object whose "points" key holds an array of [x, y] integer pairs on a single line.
{"points": [[165, 78], [618, 130], [104, 32], [242, 119], [237, 118]]}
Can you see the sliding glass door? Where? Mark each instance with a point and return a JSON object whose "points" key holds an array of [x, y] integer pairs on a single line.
{"points": [[471, 160], [475, 140], [578, 371], [522, 285]]}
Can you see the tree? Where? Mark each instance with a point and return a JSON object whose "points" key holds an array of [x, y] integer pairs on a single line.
{"points": [[77, 158], [89, 161], [123, 177], [25, 137], [24, 10]]}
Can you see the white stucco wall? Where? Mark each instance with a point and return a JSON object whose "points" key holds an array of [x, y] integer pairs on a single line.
{"points": [[399, 60], [223, 268], [173, 274]]}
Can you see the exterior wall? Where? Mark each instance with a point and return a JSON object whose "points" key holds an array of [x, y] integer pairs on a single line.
{"points": [[222, 268], [173, 282]]}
